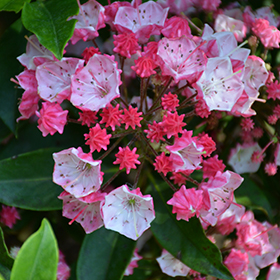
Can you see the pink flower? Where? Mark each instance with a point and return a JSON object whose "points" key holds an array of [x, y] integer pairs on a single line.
{"points": [[176, 27], [273, 90], [218, 195], [127, 158], [97, 84], [269, 35], [89, 52], [181, 59], [52, 118], [247, 124], [126, 44], [219, 85], [145, 20], [163, 164], [111, 116], [237, 263], [172, 266], [77, 172], [36, 54], [131, 117], [155, 132], [63, 270], [97, 138], [274, 272], [186, 203], [270, 169], [133, 263], [172, 123], [87, 117], [89, 20], [9, 215], [54, 78], [207, 142], [240, 158], [211, 166], [144, 66], [84, 210], [226, 23], [128, 212], [185, 153], [169, 102]]}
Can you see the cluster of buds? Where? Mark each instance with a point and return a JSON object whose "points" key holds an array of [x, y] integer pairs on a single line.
{"points": [[181, 77]]}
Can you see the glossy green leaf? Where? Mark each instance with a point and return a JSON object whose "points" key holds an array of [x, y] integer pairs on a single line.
{"points": [[12, 44], [4, 272], [5, 258], [104, 255], [12, 5], [38, 256], [26, 181], [185, 239], [48, 20]]}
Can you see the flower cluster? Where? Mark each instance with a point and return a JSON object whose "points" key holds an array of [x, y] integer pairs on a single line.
{"points": [[186, 80]]}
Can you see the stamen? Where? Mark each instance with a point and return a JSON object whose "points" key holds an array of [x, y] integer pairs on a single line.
{"points": [[53, 73], [34, 45], [75, 218]]}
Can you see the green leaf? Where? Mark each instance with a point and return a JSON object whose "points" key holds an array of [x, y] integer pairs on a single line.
{"points": [[38, 256], [12, 44], [12, 5], [26, 181], [185, 239], [48, 20], [4, 272], [5, 258], [249, 194], [104, 255]]}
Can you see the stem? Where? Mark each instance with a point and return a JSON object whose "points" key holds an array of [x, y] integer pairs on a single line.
{"points": [[95, 44], [138, 174], [122, 134], [124, 88], [110, 180], [124, 102], [150, 112], [110, 149], [149, 145], [141, 93], [190, 179]]}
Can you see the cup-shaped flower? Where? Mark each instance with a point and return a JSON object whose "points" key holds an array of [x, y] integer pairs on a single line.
{"points": [[77, 172], [128, 212], [83, 210], [172, 266], [97, 84]]}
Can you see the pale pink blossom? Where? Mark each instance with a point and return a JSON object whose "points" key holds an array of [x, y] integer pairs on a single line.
{"points": [[185, 152], [181, 59], [175, 27], [172, 266], [226, 23], [218, 195], [89, 20], [219, 85], [145, 20], [54, 78], [36, 54], [77, 172], [97, 84], [240, 158], [128, 212], [84, 210]]}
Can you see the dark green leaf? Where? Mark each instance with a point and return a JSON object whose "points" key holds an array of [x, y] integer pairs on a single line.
{"points": [[5, 258], [186, 239], [12, 44], [250, 195], [26, 181], [12, 5], [4, 272], [48, 20], [104, 255], [38, 256]]}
